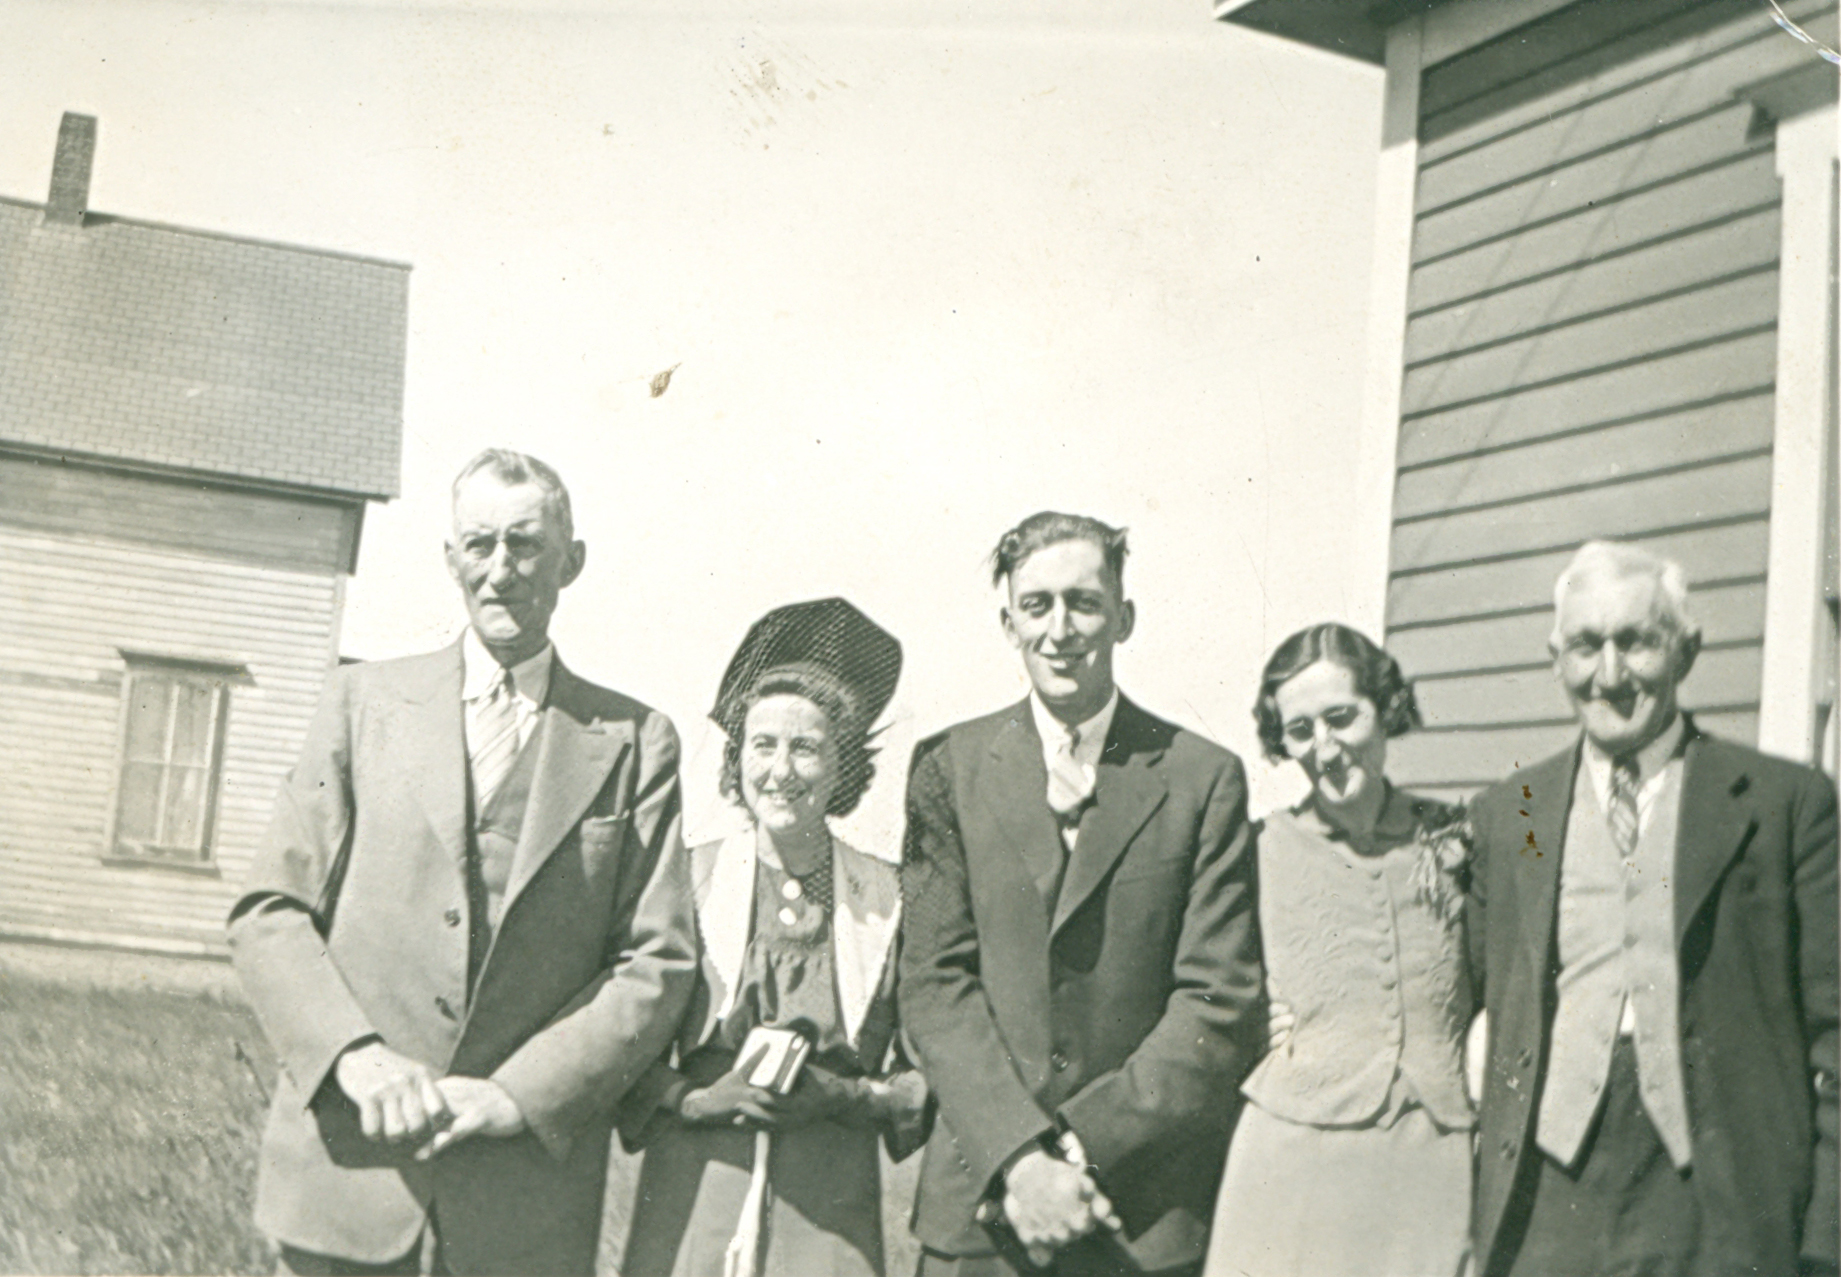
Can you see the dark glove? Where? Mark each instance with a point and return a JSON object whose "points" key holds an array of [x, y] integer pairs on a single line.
{"points": [[731, 1100]]}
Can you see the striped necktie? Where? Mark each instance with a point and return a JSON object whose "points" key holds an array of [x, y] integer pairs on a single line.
{"points": [[493, 743], [1623, 813]]}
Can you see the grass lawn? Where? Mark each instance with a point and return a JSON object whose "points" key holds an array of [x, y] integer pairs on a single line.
{"points": [[128, 1130]]}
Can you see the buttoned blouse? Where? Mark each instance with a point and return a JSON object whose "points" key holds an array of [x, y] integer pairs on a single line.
{"points": [[1371, 965]]}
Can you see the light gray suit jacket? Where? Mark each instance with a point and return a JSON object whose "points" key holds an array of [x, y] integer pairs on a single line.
{"points": [[354, 923]]}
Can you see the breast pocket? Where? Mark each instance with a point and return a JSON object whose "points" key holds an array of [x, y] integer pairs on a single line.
{"points": [[605, 832], [603, 839], [1151, 868]]}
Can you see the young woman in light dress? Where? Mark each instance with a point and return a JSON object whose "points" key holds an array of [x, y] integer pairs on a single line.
{"points": [[1353, 1154]]}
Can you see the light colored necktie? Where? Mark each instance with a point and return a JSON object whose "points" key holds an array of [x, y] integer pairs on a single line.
{"points": [[494, 746], [1623, 813], [1070, 788]]}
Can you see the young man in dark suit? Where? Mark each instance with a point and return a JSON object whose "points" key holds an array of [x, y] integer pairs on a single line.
{"points": [[1080, 967], [1653, 933]]}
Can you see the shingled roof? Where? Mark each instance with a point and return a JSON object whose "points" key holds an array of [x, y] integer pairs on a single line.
{"points": [[159, 346]]}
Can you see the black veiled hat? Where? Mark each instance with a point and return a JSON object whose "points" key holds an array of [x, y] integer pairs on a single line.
{"points": [[825, 638]]}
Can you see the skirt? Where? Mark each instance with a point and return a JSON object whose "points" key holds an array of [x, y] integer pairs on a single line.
{"points": [[1312, 1201], [673, 1209]]}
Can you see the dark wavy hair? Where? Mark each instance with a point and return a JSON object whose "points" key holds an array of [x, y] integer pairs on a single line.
{"points": [[856, 756], [1377, 677], [1039, 531]]}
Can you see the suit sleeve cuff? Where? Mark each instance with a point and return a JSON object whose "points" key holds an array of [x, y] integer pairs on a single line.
{"points": [[1043, 1142], [551, 1128], [328, 1076]]}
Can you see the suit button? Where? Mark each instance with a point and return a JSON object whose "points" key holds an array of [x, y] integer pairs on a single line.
{"points": [[442, 1006], [1525, 1058], [451, 917], [1508, 1150], [1059, 1062]]}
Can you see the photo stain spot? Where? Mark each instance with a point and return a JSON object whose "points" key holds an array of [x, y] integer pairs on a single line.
{"points": [[662, 382]]}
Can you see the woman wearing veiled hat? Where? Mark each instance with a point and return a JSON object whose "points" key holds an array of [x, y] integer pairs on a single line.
{"points": [[797, 930]]}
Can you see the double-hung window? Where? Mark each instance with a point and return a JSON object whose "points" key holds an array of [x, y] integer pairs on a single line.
{"points": [[172, 760]]}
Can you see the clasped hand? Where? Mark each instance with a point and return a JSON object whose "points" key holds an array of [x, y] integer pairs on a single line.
{"points": [[1051, 1202], [401, 1101], [731, 1100]]}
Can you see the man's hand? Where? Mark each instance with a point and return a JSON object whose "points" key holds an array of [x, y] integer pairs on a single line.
{"points": [[1279, 1023], [1051, 1204], [480, 1107], [397, 1098]]}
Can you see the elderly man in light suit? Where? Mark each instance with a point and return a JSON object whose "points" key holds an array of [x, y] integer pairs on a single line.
{"points": [[1653, 931], [468, 930]]}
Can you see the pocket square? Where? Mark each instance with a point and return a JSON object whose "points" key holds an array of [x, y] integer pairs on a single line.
{"points": [[602, 824]]}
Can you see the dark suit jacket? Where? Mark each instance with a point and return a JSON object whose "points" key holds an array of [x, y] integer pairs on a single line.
{"points": [[1755, 932], [1129, 1011], [354, 923]]}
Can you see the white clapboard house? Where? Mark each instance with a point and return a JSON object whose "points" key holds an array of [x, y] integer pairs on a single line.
{"points": [[1603, 305], [191, 425]]}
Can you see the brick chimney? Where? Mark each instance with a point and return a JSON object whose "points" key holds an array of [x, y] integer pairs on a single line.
{"points": [[69, 197]]}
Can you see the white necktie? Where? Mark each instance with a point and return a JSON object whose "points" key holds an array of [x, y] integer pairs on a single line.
{"points": [[1070, 788]]}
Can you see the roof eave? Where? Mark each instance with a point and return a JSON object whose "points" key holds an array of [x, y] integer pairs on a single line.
{"points": [[216, 478], [1353, 28]]}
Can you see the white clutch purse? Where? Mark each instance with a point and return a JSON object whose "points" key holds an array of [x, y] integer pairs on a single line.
{"points": [[782, 1053]]}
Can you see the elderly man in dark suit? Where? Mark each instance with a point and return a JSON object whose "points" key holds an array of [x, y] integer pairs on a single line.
{"points": [[1080, 967], [1653, 929], [469, 928]]}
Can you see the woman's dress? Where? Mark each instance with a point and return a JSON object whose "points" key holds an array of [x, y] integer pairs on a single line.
{"points": [[678, 1202], [1353, 1155]]}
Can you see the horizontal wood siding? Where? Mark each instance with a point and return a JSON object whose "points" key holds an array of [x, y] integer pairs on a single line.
{"points": [[191, 516], [1590, 352], [68, 606]]}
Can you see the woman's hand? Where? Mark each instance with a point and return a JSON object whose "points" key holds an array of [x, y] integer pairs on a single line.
{"points": [[1476, 1057], [818, 1096], [731, 1100]]}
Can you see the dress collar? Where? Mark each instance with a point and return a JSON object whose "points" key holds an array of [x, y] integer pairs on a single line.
{"points": [[1093, 731], [479, 670], [1650, 759]]}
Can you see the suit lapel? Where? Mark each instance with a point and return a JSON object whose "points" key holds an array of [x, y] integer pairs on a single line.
{"points": [[1017, 798], [1129, 788], [1716, 823], [575, 753], [436, 752], [1548, 798]]}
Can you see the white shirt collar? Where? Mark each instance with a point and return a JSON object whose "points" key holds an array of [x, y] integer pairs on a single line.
{"points": [[1651, 762], [1093, 732], [479, 670]]}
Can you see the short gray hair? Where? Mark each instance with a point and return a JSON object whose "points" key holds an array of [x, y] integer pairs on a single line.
{"points": [[1620, 560], [518, 467]]}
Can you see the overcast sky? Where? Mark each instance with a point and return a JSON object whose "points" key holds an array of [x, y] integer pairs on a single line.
{"points": [[923, 267]]}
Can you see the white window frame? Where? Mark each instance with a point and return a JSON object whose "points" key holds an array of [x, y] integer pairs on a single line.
{"points": [[218, 678]]}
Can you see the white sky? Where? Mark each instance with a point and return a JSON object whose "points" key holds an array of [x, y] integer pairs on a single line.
{"points": [[925, 267]]}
